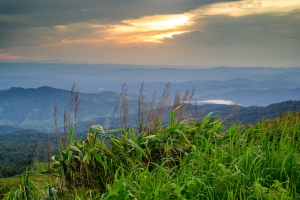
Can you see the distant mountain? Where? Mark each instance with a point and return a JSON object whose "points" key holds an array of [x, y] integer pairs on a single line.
{"points": [[8, 129], [33, 108], [259, 86]]}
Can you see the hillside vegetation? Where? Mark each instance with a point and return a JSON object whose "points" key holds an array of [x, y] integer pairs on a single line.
{"points": [[180, 160]]}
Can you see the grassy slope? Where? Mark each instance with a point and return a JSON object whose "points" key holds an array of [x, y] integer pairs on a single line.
{"points": [[184, 161]]}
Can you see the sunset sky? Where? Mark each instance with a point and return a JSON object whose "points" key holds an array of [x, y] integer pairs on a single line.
{"points": [[152, 32]]}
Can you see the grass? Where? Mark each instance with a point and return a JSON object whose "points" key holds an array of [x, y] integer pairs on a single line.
{"points": [[186, 158], [182, 161], [36, 181]]}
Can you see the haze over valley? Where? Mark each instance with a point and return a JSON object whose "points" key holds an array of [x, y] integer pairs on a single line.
{"points": [[29, 91]]}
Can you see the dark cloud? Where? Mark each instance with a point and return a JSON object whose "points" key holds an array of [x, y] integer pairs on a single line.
{"points": [[57, 12], [25, 22]]}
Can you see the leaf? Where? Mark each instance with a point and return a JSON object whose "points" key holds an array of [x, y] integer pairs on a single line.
{"points": [[70, 135], [172, 116], [183, 135], [138, 147]]}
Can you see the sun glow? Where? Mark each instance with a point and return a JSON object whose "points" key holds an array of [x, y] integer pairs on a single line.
{"points": [[156, 29], [160, 22], [150, 28]]}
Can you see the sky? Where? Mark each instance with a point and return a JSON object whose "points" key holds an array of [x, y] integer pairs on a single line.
{"points": [[197, 33]]}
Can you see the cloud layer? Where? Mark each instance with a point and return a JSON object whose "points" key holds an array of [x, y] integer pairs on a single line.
{"points": [[173, 32]]}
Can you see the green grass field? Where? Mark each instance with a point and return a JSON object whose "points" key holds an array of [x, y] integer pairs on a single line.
{"points": [[179, 160]]}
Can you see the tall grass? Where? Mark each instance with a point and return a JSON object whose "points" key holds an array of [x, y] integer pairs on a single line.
{"points": [[185, 158], [185, 161]]}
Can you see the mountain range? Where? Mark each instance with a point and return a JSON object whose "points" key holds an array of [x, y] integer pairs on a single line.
{"points": [[250, 86], [33, 108]]}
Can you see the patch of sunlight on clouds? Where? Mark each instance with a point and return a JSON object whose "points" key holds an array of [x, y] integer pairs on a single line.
{"points": [[150, 28], [155, 29], [248, 7]]}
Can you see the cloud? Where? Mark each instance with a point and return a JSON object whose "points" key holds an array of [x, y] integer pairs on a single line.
{"points": [[190, 32], [249, 7], [157, 28], [100, 89], [149, 28], [4, 56]]}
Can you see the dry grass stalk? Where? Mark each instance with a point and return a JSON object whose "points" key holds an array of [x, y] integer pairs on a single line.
{"points": [[151, 113], [182, 112], [177, 100], [49, 149], [66, 119], [55, 113], [141, 109], [164, 103], [118, 104], [105, 124], [187, 110], [125, 110], [184, 104], [71, 103], [197, 113], [122, 104], [76, 111], [34, 156], [232, 112]]}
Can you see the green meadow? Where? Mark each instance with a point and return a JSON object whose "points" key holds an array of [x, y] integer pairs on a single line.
{"points": [[179, 160]]}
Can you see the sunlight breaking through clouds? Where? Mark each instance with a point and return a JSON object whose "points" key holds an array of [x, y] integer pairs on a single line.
{"points": [[156, 28], [150, 28]]}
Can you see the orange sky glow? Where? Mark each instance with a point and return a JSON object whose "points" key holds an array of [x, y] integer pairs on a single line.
{"points": [[205, 33]]}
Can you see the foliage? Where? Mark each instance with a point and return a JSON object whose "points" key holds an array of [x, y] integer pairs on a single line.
{"points": [[183, 161], [16, 151]]}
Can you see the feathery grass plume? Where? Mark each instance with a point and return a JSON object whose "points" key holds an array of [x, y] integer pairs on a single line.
{"points": [[151, 113], [34, 156], [196, 113], [76, 111], [106, 123], [124, 109], [183, 113], [71, 103], [117, 105], [164, 103], [141, 109], [232, 112], [122, 104], [66, 119], [188, 104], [55, 114], [49, 148], [177, 100]]}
